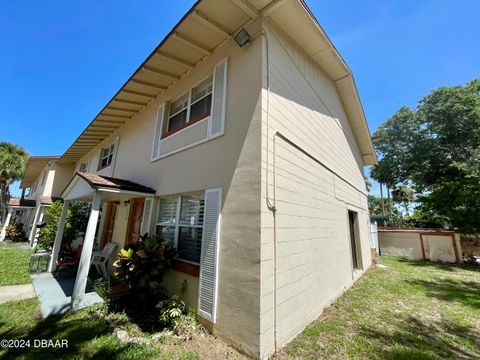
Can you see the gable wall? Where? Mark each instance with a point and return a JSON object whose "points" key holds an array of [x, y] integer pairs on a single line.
{"points": [[313, 256]]}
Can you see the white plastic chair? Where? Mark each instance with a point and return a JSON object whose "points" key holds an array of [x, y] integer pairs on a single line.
{"points": [[100, 258]]}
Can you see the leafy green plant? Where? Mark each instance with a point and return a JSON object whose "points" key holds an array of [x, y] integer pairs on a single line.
{"points": [[100, 286], [143, 264], [172, 309], [75, 224], [15, 232]]}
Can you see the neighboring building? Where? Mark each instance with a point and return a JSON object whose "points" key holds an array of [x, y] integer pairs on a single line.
{"points": [[249, 158], [45, 179]]}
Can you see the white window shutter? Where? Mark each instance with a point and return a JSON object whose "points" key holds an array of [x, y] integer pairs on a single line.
{"points": [[158, 132], [147, 216], [207, 297], [217, 121]]}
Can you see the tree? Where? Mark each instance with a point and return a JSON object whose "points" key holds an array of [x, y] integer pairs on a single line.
{"points": [[13, 160], [435, 149], [403, 195]]}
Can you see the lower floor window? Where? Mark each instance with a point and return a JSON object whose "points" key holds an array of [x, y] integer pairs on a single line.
{"points": [[180, 221]]}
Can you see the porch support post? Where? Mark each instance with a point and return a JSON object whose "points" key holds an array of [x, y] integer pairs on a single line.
{"points": [[3, 233], [84, 266], [58, 237], [33, 232]]}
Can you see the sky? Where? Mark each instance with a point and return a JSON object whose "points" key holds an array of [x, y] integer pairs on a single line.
{"points": [[62, 60]]}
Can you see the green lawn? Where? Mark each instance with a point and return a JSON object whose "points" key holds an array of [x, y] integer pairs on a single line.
{"points": [[14, 264], [89, 337], [408, 310]]}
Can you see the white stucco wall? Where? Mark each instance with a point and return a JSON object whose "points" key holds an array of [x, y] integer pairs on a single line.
{"points": [[313, 252]]}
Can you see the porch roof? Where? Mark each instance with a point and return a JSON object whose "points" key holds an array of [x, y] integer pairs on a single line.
{"points": [[21, 203], [84, 185]]}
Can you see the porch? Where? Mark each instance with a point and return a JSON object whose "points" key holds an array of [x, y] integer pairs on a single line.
{"points": [[61, 294], [55, 294]]}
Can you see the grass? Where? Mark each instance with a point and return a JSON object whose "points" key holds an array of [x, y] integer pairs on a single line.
{"points": [[89, 337], [14, 264], [408, 310]]}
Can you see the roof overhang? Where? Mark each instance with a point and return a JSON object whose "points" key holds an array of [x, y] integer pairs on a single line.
{"points": [[34, 167], [20, 204], [207, 26], [297, 22], [84, 185]]}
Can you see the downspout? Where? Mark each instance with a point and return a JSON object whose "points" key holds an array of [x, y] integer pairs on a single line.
{"points": [[271, 205]]}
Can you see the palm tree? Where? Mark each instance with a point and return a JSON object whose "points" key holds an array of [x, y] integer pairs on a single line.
{"points": [[13, 160]]}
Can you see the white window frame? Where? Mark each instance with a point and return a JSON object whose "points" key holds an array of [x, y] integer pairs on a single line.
{"points": [[177, 224], [112, 146], [162, 119], [86, 164], [189, 103]]}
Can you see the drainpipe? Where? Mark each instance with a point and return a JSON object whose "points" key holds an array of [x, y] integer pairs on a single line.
{"points": [[271, 204]]}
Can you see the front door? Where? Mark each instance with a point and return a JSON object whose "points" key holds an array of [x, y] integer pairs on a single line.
{"points": [[110, 222], [135, 222]]}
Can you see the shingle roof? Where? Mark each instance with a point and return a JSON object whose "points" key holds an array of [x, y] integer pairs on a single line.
{"points": [[22, 202], [49, 200], [98, 181]]}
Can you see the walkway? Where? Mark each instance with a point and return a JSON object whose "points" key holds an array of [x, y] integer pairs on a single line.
{"points": [[55, 296], [16, 292]]}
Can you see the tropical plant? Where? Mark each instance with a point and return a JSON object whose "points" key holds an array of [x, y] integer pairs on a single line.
{"points": [[171, 310], [143, 264], [13, 160], [15, 232]]}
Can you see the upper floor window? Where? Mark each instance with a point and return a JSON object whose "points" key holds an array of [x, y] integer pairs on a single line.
{"points": [[84, 167], [204, 101], [106, 157], [192, 106], [180, 221]]}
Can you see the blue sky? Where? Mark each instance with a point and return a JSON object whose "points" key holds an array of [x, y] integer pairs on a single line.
{"points": [[62, 61]]}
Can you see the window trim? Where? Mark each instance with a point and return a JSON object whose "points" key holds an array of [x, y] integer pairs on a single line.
{"points": [[162, 118], [189, 121], [177, 224], [87, 165], [101, 157]]}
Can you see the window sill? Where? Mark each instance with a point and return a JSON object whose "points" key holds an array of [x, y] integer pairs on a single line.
{"points": [[187, 268], [103, 168], [186, 125]]}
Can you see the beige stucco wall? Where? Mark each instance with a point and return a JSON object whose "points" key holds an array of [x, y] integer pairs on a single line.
{"points": [[61, 175], [313, 253], [232, 162]]}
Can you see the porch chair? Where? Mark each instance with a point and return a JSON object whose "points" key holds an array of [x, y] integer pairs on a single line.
{"points": [[70, 261], [100, 258]]}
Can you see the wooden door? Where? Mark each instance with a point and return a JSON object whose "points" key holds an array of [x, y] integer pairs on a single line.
{"points": [[135, 222], [109, 222]]}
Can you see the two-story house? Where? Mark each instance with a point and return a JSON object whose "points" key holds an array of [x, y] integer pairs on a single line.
{"points": [[242, 140], [45, 180]]}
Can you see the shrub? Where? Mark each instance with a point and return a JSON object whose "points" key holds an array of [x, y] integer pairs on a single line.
{"points": [[75, 224], [142, 266], [15, 232], [174, 314], [171, 311]]}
